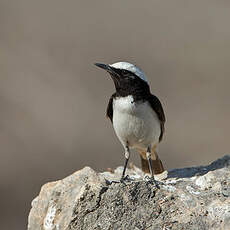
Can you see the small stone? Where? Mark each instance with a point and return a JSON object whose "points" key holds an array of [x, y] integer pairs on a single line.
{"points": [[205, 182]]}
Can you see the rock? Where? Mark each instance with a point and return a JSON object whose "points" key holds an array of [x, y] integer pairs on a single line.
{"points": [[190, 198]]}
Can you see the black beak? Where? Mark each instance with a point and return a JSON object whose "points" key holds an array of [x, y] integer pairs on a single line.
{"points": [[106, 67], [103, 66], [112, 71]]}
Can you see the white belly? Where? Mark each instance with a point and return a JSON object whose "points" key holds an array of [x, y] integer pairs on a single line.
{"points": [[135, 123]]}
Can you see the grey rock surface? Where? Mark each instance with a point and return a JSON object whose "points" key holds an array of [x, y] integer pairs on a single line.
{"points": [[190, 198]]}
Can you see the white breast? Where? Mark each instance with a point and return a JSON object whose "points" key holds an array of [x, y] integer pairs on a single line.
{"points": [[135, 123]]}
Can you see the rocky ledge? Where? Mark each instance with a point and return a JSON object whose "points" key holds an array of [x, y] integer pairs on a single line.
{"points": [[190, 198]]}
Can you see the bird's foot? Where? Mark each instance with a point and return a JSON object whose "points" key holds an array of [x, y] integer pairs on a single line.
{"points": [[110, 182], [125, 178], [151, 180]]}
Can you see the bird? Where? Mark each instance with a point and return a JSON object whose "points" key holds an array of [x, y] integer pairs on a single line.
{"points": [[136, 114]]}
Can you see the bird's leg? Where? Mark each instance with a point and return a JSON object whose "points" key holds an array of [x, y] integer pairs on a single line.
{"points": [[148, 156], [127, 154]]}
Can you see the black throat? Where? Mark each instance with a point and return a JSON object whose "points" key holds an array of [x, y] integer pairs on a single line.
{"points": [[137, 88]]}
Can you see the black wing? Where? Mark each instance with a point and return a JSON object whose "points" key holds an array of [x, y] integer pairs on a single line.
{"points": [[109, 110], [157, 107]]}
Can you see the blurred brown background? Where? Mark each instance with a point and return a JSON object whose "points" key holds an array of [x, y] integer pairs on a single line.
{"points": [[53, 100]]}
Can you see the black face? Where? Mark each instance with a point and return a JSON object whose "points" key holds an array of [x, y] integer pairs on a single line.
{"points": [[126, 82]]}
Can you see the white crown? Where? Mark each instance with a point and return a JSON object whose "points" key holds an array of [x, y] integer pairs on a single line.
{"points": [[130, 67]]}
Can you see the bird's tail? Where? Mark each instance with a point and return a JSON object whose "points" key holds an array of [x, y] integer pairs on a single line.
{"points": [[158, 167]]}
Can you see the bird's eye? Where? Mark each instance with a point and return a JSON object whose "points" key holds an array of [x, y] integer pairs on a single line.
{"points": [[125, 72]]}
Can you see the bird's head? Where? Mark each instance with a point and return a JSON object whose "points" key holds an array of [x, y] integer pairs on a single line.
{"points": [[126, 77]]}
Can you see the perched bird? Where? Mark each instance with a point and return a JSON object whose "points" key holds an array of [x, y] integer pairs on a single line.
{"points": [[136, 114]]}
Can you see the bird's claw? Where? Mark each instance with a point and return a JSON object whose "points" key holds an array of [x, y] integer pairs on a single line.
{"points": [[126, 178], [151, 180]]}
